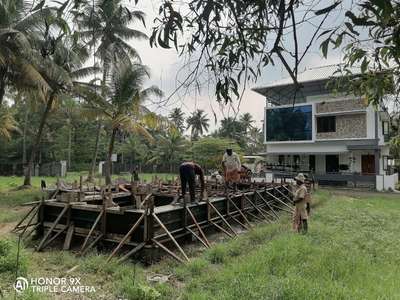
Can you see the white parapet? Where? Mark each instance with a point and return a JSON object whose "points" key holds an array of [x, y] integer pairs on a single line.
{"points": [[386, 182]]}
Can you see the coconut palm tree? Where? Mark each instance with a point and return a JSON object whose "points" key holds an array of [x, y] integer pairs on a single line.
{"points": [[170, 148], [121, 106], [7, 123], [106, 25], [17, 31], [62, 65], [177, 117], [198, 123], [247, 120]]}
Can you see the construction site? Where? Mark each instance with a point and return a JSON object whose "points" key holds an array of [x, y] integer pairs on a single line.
{"points": [[140, 219]]}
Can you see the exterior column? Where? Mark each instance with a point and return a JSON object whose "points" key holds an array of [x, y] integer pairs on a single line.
{"points": [[377, 154]]}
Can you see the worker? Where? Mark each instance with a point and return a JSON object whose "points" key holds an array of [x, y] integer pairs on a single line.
{"points": [[302, 205], [231, 165], [187, 173]]}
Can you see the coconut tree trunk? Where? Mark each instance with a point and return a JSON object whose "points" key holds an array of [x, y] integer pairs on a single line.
{"points": [[2, 86], [24, 136], [110, 152], [38, 138], [95, 152], [69, 144]]}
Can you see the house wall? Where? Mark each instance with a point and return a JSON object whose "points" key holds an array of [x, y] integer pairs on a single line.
{"points": [[340, 105], [347, 126]]}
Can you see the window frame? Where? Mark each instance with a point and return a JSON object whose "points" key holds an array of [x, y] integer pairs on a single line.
{"points": [[321, 126]]}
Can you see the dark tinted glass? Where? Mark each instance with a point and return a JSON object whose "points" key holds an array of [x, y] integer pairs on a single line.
{"points": [[326, 124], [289, 123]]}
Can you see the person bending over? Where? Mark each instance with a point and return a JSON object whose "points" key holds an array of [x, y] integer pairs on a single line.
{"points": [[187, 173]]}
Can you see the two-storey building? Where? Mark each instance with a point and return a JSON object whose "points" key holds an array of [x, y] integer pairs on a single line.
{"points": [[334, 136]]}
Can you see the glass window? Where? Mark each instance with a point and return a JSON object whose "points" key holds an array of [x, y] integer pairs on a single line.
{"points": [[289, 123], [326, 124], [385, 127]]}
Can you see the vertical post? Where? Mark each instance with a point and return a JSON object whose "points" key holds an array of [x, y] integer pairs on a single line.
{"points": [[150, 219], [104, 216], [40, 214]]}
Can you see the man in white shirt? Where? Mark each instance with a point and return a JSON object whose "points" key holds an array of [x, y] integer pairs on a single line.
{"points": [[231, 165]]}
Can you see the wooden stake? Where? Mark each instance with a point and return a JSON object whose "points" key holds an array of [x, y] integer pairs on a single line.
{"points": [[197, 237], [198, 227], [133, 251], [91, 229], [240, 211], [52, 227], [223, 219], [167, 250], [125, 238], [170, 236]]}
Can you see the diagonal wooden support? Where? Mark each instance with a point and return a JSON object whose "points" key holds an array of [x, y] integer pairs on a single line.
{"points": [[222, 217], [65, 209], [91, 230], [167, 250], [17, 227], [282, 208], [54, 236], [125, 238], [198, 227], [286, 197], [240, 223], [240, 211], [280, 201], [27, 235], [291, 192], [197, 237], [254, 216], [133, 251], [95, 241], [222, 229], [29, 223], [170, 236], [266, 203], [255, 206]]}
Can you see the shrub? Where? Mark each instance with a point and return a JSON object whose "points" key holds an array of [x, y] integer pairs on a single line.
{"points": [[137, 291], [217, 254], [8, 258]]}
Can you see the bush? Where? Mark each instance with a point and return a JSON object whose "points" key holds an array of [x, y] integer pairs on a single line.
{"points": [[8, 258], [137, 291], [217, 254]]}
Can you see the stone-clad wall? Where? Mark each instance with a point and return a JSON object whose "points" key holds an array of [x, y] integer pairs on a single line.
{"points": [[347, 126], [342, 105]]}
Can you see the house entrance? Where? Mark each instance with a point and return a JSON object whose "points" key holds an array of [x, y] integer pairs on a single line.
{"points": [[332, 163], [368, 164]]}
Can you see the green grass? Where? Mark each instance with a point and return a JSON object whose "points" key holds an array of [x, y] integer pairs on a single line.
{"points": [[350, 252]]}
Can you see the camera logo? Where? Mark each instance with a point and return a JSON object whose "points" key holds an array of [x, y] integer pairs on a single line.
{"points": [[21, 284]]}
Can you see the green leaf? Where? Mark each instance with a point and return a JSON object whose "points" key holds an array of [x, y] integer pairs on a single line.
{"points": [[327, 9], [364, 65], [39, 6], [324, 47]]}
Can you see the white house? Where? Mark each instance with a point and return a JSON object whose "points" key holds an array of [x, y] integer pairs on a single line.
{"points": [[335, 137]]}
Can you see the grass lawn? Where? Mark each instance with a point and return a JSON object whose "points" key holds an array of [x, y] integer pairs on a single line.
{"points": [[350, 252]]}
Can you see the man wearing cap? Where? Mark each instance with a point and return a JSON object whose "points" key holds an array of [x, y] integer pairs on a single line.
{"points": [[231, 164], [302, 205]]}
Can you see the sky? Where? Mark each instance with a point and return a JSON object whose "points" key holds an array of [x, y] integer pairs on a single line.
{"points": [[165, 64]]}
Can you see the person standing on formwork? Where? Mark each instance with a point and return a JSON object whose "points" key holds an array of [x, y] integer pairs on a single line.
{"points": [[187, 173], [231, 165]]}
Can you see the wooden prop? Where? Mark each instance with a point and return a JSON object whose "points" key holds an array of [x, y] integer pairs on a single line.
{"points": [[170, 236]]}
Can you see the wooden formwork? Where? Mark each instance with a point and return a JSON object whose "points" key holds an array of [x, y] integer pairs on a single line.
{"points": [[156, 224]]}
